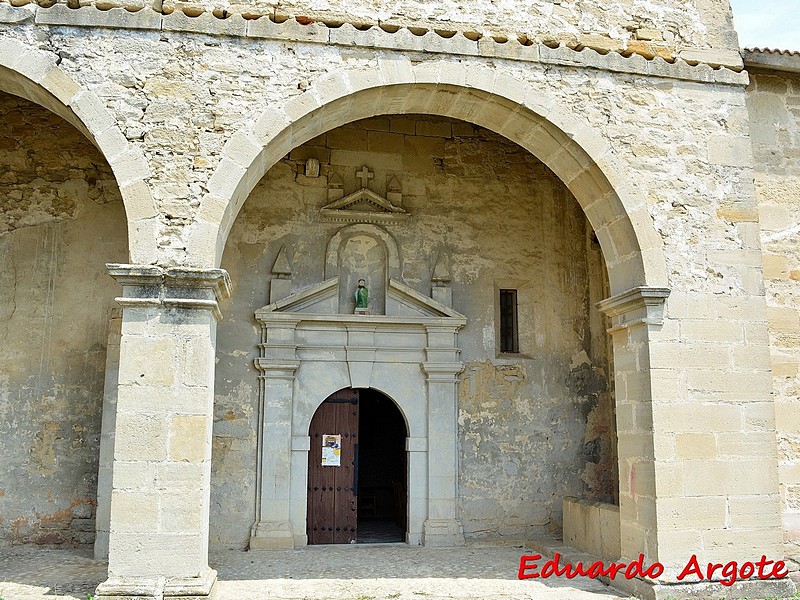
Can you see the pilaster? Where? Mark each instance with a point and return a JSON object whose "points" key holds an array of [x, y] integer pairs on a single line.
{"points": [[277, 365], [442, 527]]}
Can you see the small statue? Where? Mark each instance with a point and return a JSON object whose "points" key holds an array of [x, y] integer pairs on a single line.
{"points": [[362, 295]]}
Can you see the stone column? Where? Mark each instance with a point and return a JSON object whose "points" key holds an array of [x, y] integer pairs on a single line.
{"points": [[697, 463], [277, 364], [442, 527], [107, 428], [158, 538], [636, 316]]}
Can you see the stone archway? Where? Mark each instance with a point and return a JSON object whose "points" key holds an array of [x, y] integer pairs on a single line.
{"points": [[576, 153], [35, 75], [562, 140]]}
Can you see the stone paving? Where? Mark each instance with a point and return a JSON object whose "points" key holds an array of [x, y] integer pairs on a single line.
{"points": [[368, 572]]}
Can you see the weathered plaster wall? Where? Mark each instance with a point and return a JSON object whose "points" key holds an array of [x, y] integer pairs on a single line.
{"points": [[773, 100], [503, 220], [61, 219]]}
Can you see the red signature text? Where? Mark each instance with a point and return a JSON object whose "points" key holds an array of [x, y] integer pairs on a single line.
{"points": [[728, 573]]}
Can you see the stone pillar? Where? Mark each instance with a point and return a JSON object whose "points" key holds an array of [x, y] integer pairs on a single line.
{"points": [[277, 364], [107, 428], [635, 316], [442, 527], [158, 539], [697, 469]]}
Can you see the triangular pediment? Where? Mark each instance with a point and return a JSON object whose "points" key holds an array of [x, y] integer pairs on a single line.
{"points": [[363, 206], [404, 301], [322, 298]]}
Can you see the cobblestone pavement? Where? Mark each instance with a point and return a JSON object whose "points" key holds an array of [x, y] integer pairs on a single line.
{"points": [[368, 572]]}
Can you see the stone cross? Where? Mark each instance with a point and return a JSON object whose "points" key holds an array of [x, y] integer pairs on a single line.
{"points": [[364, 175]]}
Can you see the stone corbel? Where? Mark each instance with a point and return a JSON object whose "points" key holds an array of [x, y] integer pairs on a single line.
{"points": [[175, 287], [641, 305]]}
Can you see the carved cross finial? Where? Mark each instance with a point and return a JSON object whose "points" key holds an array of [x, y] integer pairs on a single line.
{"points": [[364, 175]]}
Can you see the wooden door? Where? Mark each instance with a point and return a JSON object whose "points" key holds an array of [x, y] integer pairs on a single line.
{"points": [[332, 490]]}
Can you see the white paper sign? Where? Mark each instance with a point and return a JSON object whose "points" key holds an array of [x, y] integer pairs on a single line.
{"points": [[331, 450]]}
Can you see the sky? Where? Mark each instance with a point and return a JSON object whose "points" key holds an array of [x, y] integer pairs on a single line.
{"points": [[770, 23]]}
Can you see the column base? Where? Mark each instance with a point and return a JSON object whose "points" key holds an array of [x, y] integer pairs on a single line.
{"points": [[272, 535], [442, 533], [158, 588], [752, 588]]}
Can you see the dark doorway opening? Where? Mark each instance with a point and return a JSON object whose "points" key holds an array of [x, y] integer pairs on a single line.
{"points": [[382, 469]]}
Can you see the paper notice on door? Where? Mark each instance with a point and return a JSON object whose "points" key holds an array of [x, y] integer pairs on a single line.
{"points": [[331, 450]]}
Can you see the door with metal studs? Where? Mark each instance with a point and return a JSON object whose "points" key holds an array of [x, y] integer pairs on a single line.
{"points": [[333, 470]]}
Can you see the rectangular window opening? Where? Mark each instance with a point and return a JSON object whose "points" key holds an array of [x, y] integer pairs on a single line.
{"points": [[509, 333]]}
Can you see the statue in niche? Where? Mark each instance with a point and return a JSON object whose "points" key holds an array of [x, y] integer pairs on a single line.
{"points": [[362, 297]]}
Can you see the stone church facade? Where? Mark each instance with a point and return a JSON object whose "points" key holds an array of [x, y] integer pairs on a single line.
{"points": [[576, 222]]}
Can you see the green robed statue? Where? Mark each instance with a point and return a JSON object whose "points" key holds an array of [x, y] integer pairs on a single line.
{"points": [[362, 294]]}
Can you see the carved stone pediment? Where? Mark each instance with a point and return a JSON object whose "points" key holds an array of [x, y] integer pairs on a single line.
{"points": [[322, 299], [363, 206]]}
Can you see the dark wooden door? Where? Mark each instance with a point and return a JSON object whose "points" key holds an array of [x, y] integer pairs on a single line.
{"points": [[332, 499]]}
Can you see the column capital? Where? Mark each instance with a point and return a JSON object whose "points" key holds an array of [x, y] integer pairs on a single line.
{"points": [[276, 368], [176, 287], [643, 305], [443, 372]]}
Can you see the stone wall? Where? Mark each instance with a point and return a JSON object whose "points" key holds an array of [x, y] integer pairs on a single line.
{"points": [[532, 428], [773, 101], [61, 219]]}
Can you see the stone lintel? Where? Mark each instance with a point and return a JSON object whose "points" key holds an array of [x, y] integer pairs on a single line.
{"points": [[174, 287], [641, 305]]}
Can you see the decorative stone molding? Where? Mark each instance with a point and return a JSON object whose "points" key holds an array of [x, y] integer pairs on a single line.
{"points": [[308, 351], [174, 287], [604, 52], [642, 305], [363, 206]]}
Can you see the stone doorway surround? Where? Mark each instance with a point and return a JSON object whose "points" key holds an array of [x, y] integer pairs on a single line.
{"points": [[307, 352]]}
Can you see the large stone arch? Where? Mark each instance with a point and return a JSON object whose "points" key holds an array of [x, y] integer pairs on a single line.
{"points": [[529, 116], [35, 75]]}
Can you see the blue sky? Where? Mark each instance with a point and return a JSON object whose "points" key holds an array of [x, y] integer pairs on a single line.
{"points": [[771, 23]]}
